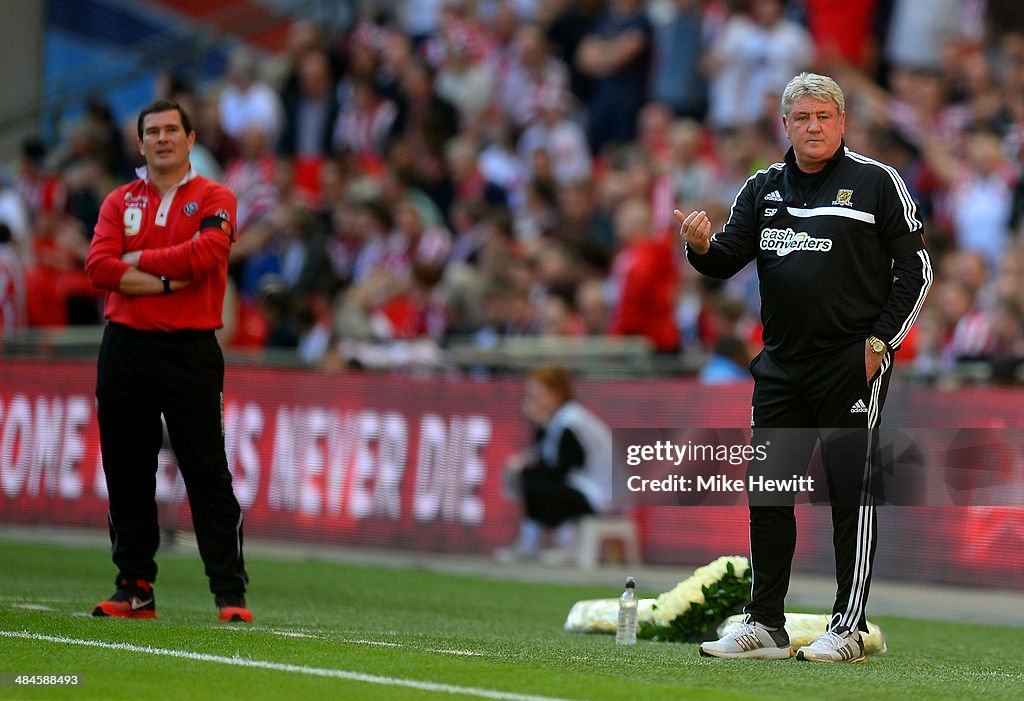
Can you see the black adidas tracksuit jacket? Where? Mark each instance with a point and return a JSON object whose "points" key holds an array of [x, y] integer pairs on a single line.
{"points": [[828, 246], [840, 257]]}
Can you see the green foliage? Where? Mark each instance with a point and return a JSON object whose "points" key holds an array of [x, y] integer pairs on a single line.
{"points": [[721, 600]]}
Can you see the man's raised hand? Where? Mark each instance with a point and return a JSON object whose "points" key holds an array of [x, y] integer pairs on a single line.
{"points": [[695, 230]]}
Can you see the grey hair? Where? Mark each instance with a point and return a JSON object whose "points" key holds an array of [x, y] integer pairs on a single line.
{"points": [[813, 85]]}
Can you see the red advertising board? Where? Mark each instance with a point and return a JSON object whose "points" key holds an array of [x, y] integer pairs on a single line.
{"points": [[416, 464]]}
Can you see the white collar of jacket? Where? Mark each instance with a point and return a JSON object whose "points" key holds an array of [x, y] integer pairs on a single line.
{"points": [[143, 174]]}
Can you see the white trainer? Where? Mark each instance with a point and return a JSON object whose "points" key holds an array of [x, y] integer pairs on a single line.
{"points": [[835, 646], [750, 640]]}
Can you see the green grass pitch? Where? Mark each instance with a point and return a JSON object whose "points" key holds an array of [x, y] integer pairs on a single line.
{"points": [[326, 630]]}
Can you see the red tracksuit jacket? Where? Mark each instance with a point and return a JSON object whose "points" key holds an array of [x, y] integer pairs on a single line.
{"points": [[185, 235]]}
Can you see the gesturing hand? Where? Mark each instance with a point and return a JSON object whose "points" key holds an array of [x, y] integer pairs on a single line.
{"points": [[695, 230]]}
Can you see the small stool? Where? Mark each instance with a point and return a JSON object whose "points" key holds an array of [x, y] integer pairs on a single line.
{"points": [[595, 530]]}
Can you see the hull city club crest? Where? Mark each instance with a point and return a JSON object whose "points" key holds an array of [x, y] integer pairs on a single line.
{"points": [[844, 198]]}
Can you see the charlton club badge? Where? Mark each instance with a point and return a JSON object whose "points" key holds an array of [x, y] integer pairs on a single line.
{"points": [[191, 208]]}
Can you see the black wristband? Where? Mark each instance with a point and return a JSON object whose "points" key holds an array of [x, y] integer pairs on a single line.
{"points": [[167, 284]]}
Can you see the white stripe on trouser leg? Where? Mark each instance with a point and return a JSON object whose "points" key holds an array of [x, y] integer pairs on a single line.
{"points": [[865, 513], [238, 537], [752, 568]]}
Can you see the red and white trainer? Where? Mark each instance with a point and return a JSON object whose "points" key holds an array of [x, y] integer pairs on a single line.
{"points": [[133, 599]]}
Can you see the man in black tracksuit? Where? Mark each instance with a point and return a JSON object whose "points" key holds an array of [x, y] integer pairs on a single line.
{"points": [[843, 274]]}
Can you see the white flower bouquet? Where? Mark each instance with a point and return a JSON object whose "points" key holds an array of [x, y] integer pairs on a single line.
{"points": [[712, 597], [694, 608]]}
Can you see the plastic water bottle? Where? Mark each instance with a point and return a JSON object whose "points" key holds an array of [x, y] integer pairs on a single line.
{"points": [[625, 634]]}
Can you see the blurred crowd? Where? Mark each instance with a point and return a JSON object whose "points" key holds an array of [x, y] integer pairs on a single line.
{"points": [[464, 171]]}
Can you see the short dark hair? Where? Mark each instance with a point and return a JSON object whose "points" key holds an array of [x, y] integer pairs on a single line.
{"points": [[163, 105]]}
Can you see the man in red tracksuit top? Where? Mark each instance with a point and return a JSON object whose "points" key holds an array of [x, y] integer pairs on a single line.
{"points": [[161, 251]]}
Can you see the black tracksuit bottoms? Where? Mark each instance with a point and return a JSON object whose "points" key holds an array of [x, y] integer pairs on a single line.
{"points": [[180, 374], [549, 500], [794, 406]]}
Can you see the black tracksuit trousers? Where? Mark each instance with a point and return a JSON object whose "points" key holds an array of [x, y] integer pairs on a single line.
{"points": [[141, 375], [831, 400]]}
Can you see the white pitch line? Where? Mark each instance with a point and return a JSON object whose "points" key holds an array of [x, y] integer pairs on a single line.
{"points": [[282, 667], [293, 634], [996, 674], [376, 643], [273, 631], [464, 653], [384, 643]]}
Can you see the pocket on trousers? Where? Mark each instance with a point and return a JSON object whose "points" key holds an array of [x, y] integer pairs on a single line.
{"points": [[858, 360]]}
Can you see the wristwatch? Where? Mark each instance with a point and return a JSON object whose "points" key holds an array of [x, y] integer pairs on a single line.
{"points": [[877, 345], [167, 284]]}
